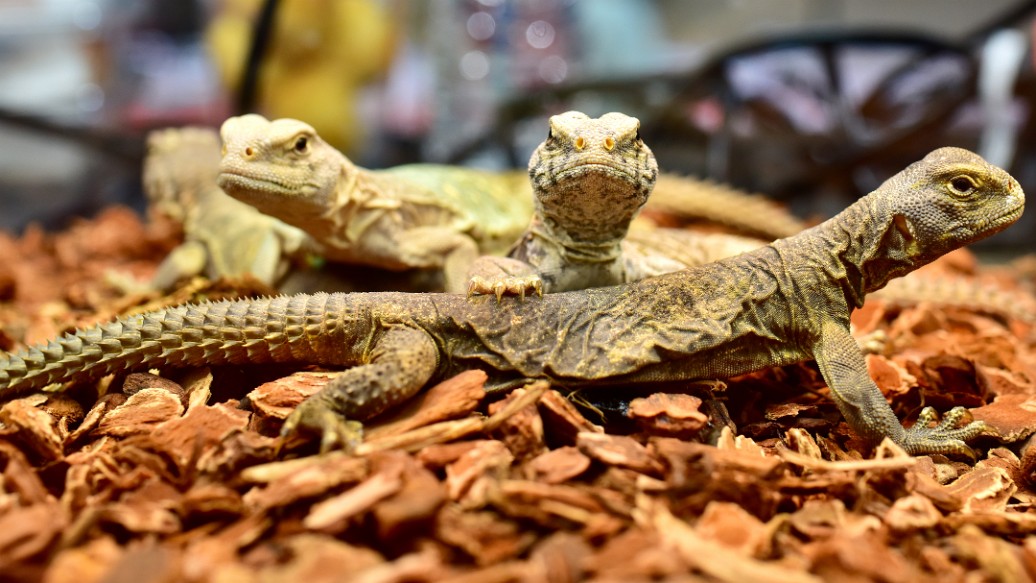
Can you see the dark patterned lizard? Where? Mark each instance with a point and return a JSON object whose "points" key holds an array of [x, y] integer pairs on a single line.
{"points": [[783, 303]]}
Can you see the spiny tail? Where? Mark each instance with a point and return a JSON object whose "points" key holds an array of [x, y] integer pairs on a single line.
{"points": [[751, 214], [278, 329]]}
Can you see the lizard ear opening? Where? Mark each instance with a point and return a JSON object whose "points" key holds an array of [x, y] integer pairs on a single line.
{"points": [[907, 232], [904, 227]]}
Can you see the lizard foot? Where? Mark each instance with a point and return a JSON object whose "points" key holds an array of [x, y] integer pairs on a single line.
{"points": [[512, 285], [313, 416], [946, 436]]}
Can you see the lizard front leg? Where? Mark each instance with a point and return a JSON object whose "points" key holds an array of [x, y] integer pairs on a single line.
{"points": [[401, 362], [868, 413], [503, 275]]}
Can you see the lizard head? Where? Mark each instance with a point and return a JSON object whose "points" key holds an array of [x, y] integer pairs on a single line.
{"points": [[590, 172], [179, 167], [948, 199], [281, 167]]}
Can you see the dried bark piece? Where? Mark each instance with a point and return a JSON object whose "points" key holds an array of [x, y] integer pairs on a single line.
{"points": [[147, 562], [66, 410], [237, 451], [272, 402], [453, 398], [138, 381], [712, 558], [731, 526], [954, 375], [860, 556], [636, 554], [197, 383], [976, 549], [211, 502], [87, 563], [489, 457], [751, 460], [562, 421], [560, 557], [441, 455], [140, 413], [1027, 465], [19, 482], [559, 465], [318, 558], [333, 514], [993, 347], [35, 428], [819, 519], [27, 532], [485, 537], [923, 320], [942, 497], [545, 503], [294, 480], [778, 411], [522, 431], [912, 513], [673, 415], [998, 382], [200, 429], [890, 377], [142, 517], [422, 437], [1012, 415], [416, 502], [426, 565], [619, 450], [984, 489], [93, 418]]}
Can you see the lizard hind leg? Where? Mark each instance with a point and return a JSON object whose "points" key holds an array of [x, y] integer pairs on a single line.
{"points": [[401, 362]]}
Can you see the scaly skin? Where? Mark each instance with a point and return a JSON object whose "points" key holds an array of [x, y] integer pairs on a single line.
{"points": [[222, 236], [589, 179], [783, 303], [419, 215]]}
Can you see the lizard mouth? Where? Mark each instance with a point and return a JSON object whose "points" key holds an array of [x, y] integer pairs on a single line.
{"points": [[584, 169], [252, 186]]}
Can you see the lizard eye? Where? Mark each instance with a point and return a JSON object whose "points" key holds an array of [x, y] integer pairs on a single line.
{"points": [[962, 185], [301, 144]]}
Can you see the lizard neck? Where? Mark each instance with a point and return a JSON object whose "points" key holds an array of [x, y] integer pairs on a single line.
{"points": [[862, 248], [595, 210], [593, 250]]}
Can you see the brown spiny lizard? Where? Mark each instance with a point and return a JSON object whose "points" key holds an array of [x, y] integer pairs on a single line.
{"points": [[782, 303]]}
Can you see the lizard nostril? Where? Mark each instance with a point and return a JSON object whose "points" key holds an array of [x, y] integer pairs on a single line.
{"points": [[249, 152], [580, 143], [609, 143]]}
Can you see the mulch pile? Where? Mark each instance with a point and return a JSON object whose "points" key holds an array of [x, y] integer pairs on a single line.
{"points": [[183, 478]]}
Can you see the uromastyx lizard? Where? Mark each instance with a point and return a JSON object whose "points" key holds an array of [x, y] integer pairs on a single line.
{"points": [[783, 303], [419, 215], [223, 237]]}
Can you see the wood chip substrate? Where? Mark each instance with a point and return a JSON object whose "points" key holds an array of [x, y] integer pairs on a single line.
{"points": [[183, 477]]}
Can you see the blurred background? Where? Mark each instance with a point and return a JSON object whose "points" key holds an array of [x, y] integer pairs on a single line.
{"points": [[813, 102]]}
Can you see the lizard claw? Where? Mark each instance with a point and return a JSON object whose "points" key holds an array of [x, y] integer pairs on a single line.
{"points": [[507, 285], [947, 436], [312, 416]]}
